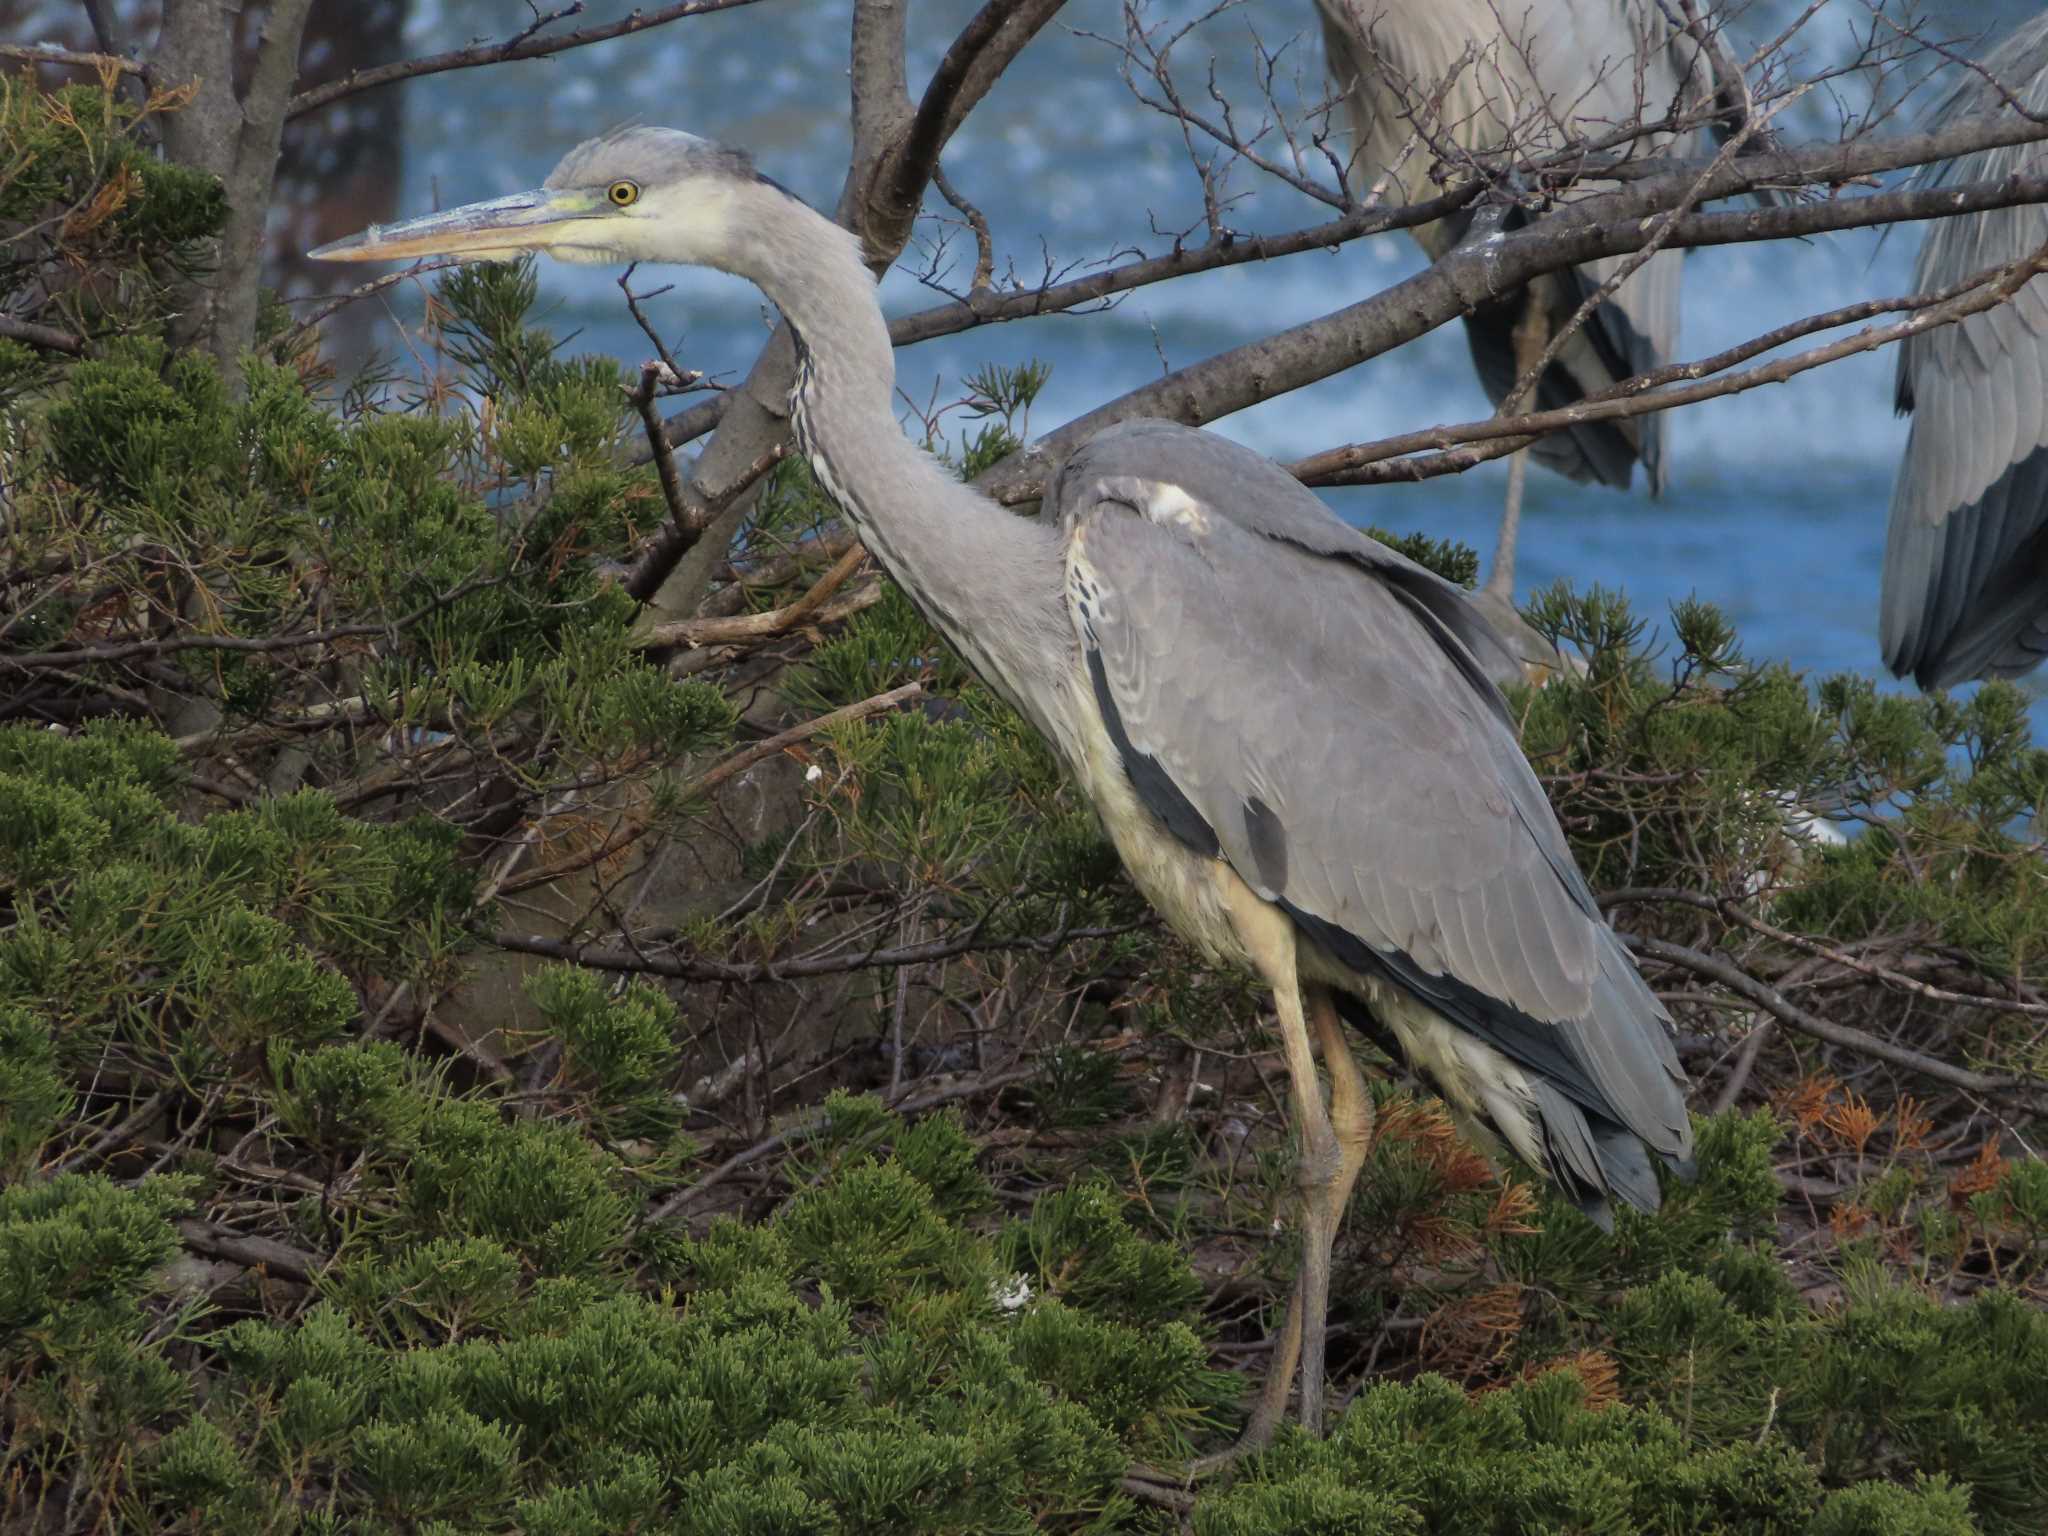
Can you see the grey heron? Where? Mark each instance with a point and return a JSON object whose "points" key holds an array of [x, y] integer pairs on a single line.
{"points": [[1282, 723], [1966, 554], [1425, 81]]}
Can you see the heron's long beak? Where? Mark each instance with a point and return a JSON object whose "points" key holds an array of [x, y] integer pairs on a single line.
{"points": [[496, 230]]}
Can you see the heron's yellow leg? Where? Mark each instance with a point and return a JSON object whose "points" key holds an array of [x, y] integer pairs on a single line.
{"points": [[1321, 1160], [1334, 1140], [1351, 1112], [1327, 1180]]}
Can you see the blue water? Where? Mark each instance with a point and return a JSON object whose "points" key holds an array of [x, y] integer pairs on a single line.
{"points": [[1776, 508]]}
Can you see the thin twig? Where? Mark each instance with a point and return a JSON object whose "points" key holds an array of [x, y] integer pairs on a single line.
{"points": [[1813, 947], [631, 829], [776, 621], [984, 243], [375, 285], [1386, 461], [49, 53], [1787, 1012], [690, 513], [114, 1135], [810, 1122], [693, 968], [33, 661], [524, 46]]}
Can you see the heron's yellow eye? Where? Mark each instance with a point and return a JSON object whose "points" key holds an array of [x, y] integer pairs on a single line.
{"points": [[624, 194]]}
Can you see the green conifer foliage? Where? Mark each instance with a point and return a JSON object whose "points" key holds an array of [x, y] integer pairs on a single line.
{"points": [[472, 1061]]}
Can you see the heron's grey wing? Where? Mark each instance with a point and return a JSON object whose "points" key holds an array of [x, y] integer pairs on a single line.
{"points": [[1967, 546], [1327, 735], [1228, 480]]}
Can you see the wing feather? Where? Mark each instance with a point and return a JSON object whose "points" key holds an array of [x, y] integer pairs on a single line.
{"points": [[1252, 653], [1968, 541]]}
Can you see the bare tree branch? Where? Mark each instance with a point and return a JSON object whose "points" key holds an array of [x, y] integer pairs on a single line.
{"points": [[69, 58], [234, 139], [892, 149], [808, 609], [48, 337], [1368, 463], [986, 46], [1465, 278], [693, 511], [691, 968], [1733, 911], [257, 1252], [527, 45], [1787, 1012]]}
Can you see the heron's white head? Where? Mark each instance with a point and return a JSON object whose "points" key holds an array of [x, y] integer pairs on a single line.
{"points": [[638, 194]]}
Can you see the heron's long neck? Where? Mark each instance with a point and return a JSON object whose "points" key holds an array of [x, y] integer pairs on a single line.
{"points": [[990, 581]]}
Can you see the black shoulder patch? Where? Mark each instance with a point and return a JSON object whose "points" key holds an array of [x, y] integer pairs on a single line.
{"points": [[1155, 787], [1269, 843]]}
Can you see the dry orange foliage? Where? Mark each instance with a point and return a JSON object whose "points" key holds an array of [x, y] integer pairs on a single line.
{"points": [[1595, 1368], [111, 198], [1512, 1208], [1469, 1332], [1806, 1105], [1852, 1120], [1983, 1173], [1913, 1128], [1847, 1221], [1427, 1131]]}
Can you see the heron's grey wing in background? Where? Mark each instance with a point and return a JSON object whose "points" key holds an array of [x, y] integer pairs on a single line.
{"points": [[1309, 708], [1966, 554], [1550, 68], [1631, 331]]}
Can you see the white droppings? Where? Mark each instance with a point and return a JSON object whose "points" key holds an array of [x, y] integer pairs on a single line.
{"points": [[1010, 1295], [1170, 505]]}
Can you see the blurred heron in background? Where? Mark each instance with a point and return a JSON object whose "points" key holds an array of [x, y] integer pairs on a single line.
{"points": [[1431, 85], [1966, 555]]}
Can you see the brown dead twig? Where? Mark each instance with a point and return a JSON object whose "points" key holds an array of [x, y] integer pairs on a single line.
{"points": [[2030, 1092], [130, 650], [631, 829], [814, 608], [910, 1104], [691, 511], [529, 44], [693, 968], [1833, 955], [767, 571]]}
